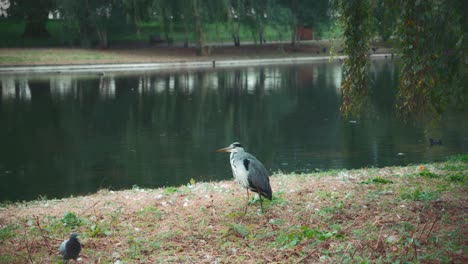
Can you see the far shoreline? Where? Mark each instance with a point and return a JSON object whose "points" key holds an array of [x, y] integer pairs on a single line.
{"points": [[156, 58], [205, 64]]}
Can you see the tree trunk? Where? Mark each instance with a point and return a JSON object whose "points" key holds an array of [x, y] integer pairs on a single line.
{"points": [[166, 25], [36, 28], [261, 31], [201, 45], [102, 35], [36, 14], [186, 42], [236, 40], [235, 29], [237, 44]]}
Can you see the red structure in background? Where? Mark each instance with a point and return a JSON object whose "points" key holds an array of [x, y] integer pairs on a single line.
{"points": [[304, 33]]}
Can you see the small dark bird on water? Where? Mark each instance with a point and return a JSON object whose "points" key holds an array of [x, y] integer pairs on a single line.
{"points": [[70, 249], [434, 142], [249, 172]]}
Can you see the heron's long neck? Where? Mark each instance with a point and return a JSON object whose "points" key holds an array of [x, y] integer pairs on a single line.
{"points": [[231, 157], [234, 154]]}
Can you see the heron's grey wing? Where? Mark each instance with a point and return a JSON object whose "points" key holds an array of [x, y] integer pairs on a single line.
{"points": [[258, 176]]}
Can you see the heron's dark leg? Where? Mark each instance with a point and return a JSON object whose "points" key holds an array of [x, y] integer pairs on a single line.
{"points": [[261, 201], [247, 204]]}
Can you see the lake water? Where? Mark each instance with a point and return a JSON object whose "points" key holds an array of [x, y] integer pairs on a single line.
{"points": [[70, 134]]}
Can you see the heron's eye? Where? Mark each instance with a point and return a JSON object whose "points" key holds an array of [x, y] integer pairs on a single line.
{"points": [[237, 145]]}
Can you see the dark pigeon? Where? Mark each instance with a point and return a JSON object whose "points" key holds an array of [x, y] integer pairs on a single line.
{"points": [[70, 249]]}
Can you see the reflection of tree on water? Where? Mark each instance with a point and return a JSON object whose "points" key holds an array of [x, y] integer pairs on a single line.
{"points": [[15, 89], [107, 87]]}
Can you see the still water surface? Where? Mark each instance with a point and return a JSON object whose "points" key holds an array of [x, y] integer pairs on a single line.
{"points": [[63, 134]]}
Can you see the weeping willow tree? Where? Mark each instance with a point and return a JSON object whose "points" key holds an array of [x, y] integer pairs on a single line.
{"points": [[354, 16], [430, 38]]}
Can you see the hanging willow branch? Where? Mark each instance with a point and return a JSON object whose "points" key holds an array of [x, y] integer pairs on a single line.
{"points": [[354, 16]]}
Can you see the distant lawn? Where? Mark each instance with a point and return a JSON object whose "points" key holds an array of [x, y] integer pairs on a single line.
{"points": [[53, 56], [62, 34]]}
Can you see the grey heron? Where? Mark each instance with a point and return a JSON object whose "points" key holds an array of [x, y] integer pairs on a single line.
{"points": [[70, 249], [249, 172]]}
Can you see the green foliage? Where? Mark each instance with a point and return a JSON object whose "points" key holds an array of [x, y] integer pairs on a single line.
{"points": [[430, 37], [99, 230], [93, 19], [433, 64], [384, 18], [71, 220], [376, 180], [88, 23]]}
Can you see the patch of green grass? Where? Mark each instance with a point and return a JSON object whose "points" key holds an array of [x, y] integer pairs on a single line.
{"points": [[278, 199], [459, 158], [116, 215], [336, 208], [327, 195], [237, 229], [7, 258], [376, 180], [419, 195], [150, 211], [171, 190], [428, 174], [457, 177], [167, 235], [136, 248], [452, 166], [8, 231], [294, 235]]}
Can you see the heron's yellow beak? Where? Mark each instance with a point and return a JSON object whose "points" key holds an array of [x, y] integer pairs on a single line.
{"points": [[224, 149]]}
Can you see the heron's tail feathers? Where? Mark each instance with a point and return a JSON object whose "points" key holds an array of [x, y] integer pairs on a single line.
{"points": [[267, 193]]}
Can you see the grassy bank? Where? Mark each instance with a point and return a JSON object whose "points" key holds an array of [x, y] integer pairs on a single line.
{"points": [[396, 214]]}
